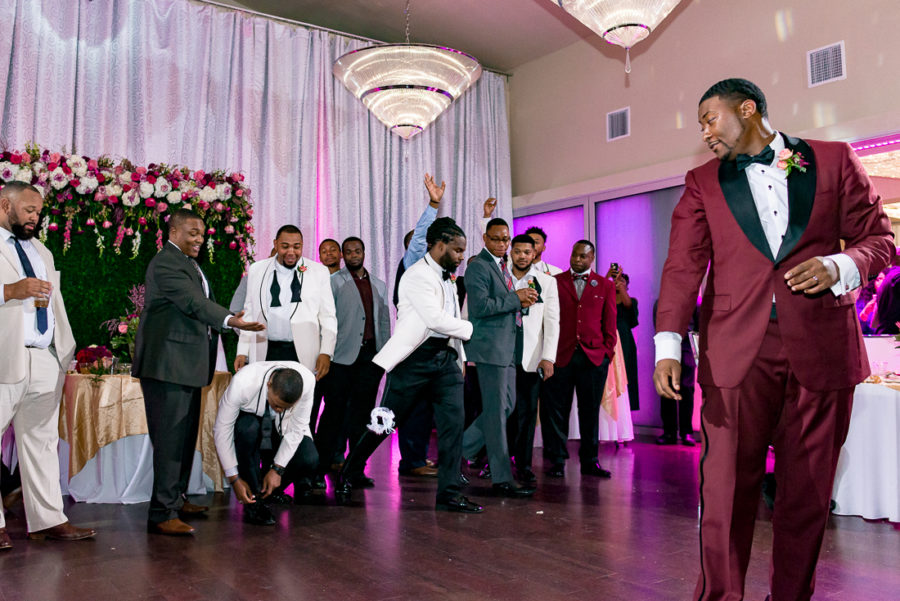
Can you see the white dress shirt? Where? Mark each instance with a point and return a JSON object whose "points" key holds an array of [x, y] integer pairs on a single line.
{"points": [[769, 188], [248, 392], [279, 318], [545, 267], [519, 284], [449, 287], [205, 284], [33, 337]]}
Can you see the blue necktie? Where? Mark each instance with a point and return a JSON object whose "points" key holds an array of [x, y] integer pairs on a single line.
{"points": [[40, 312]]}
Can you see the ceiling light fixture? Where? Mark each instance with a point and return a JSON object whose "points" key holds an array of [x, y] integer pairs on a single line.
{"points": [[620, 22], [406, 86]]}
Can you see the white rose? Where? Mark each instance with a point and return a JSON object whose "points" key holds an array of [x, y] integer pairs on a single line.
{"points": [[24, 175], [208, 194], [88, 184], [77, 164], [125, 177], [59, 179], [131, 198], [113, 190], [146, 189], [162, 187], [186, 184], [223, 191], [173, 197]]}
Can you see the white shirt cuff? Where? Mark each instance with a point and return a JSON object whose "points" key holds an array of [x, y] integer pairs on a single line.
{"points": [[2, 293], [668, 346], [232, 471], [225, 323], [849, 274]]}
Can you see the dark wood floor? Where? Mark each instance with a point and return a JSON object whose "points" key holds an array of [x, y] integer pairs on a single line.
{"points": [[633, 537]]}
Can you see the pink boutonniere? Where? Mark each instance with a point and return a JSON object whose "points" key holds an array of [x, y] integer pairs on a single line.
{"points": [[452, 278], [301, 268], [788, 160], [547, 272]]}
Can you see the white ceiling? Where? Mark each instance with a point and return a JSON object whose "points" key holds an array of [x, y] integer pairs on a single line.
{"points": [[502, 34]]}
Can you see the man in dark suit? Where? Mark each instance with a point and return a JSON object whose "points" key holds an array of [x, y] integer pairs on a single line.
{"points": [[678, 416], [780, 344], [364, 325], [175, 356], [587, 341], [496, 348]]}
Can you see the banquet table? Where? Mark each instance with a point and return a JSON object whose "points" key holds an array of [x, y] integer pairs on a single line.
{"points": [[105, 452], [867, 482]]}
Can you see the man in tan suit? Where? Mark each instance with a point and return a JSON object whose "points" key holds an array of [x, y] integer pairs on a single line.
{"points": [[39, 345]]}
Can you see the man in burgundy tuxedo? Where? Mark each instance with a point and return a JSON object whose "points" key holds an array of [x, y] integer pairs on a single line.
{"points": [[780, 344], [587, 340]]}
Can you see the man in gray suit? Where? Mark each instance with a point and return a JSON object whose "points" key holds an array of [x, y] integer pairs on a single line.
{"points": [[364, 325], [175, 356], [495, 310]]}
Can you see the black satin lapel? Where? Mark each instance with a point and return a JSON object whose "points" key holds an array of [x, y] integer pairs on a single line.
{"points": [[801, 193], [737, 193]]}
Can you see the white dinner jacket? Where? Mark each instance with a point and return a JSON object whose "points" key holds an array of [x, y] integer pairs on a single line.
{"points": [[540, 328], [14, 365], [313, 323], [421, 308], [248, 392]]}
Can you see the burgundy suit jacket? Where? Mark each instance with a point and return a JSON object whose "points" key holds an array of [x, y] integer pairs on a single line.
{"points": [[590, 321], [716, 223]]}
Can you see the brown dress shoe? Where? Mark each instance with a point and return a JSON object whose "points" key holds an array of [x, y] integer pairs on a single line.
{"points": [[12, 498], [64, 531], [190, 509], [423, 471], [5, 543], [173, 527]]}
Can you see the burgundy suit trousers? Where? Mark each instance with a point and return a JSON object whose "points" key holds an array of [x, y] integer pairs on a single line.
{"points": [[807, 430]]}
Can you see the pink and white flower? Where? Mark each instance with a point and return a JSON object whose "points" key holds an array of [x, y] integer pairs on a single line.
{"points": [[87, 185], [223, 191], [131, 198], [58, 179], [146, 189], [78, 165], [24, 175], [162, 187], [208, 194], [7, 171]]}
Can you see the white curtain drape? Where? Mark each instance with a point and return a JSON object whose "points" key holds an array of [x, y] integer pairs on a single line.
{"points": [[177, 81]]}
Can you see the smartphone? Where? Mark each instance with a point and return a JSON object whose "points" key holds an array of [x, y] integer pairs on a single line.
{"points": [[540, 372], [614, 267]]}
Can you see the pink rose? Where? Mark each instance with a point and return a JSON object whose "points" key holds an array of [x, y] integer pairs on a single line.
{"points": [[15, 159], [211, 231], [52, 227], [113, 200], [782, 164], [785, 154], [151, 179], [150, 203], [89, 222], [142, 221], [129, 232], [203, 204], [92, 164], [229, 229], [238, 192], [161, 207], [54, 157], [135, 177], [198, 175], [141, 170], [218, 207], [232, 245], [123, 327], [107, 224]]}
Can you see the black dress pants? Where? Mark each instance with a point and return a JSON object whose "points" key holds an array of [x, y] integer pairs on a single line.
{"points": [[580, 376], [352, 394], [429, 375], [173, 419], [521, 423], [682, 425], [247, 439]]}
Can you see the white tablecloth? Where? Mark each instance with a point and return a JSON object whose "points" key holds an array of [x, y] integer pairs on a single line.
{"points": [[867, 482]]}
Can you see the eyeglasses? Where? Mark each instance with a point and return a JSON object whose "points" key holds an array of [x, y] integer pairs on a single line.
{"points": [[496, 239]]}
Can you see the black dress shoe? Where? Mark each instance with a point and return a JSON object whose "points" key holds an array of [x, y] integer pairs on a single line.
{"points": [[463, 479], [342, 490], [667, 439], [278, 498], [688, 440], [459, 504], [557, 471], [362, 481], [512, 490], [258, 514], [526, 475], [594, 469], [319, 482], [485, 472]]}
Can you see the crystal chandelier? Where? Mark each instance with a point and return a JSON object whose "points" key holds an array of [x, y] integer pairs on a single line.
{"points": [[620, 22], [406, 86]]}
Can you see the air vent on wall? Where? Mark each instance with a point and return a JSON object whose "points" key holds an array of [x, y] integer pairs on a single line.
{"points": [[618, 124], [826, 64]]}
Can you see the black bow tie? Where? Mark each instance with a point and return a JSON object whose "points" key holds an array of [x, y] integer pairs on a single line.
{"points": [[583, 278], [445, 275], [765, 158]]}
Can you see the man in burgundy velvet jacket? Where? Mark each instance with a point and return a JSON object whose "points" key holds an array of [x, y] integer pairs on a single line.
{"points": [[780, 346], [587, 340]]}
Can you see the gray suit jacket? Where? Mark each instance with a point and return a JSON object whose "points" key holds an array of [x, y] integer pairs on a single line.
{"points": [[172, 343], [351, 316], [492, 311]]}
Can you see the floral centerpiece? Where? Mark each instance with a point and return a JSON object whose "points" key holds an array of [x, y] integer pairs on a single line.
{"points": [[94, 359], [122, 204], [123, 330]]}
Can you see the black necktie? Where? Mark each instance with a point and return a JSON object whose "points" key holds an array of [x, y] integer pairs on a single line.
{"points": [[765, 158], [40, 312], [295, 289], [445, 275], [275, 291]]}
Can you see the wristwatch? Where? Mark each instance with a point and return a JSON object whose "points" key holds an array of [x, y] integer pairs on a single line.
{"points": [[277, 469]]}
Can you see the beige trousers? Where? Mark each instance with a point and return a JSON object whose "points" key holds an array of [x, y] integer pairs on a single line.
{"points": [[32, 406]]}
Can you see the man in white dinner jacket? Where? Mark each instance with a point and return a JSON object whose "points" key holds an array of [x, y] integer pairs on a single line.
{"points": [[540, 335], [292, 296], [424, 360], [284, 388], [38, 347]]}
